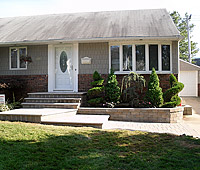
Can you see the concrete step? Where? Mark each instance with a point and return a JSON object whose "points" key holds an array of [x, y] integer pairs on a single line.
{"points": [[36, 114], [96, 121], [52, 100], [51, 105], [57, 95]]}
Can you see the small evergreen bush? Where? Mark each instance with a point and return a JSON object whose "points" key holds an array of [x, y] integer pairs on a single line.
{"points": [[112, 89], [95, 95], [95, 92], [171, 97], [97, 83], [154, 93], [96, 76]]}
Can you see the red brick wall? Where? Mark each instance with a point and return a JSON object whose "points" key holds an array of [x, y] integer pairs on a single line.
{"points": [[84, 81], [199, 90], [28, 83]]}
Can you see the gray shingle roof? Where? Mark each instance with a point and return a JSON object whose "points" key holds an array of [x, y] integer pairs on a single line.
{"points": [[186, 66], [134, 24]]}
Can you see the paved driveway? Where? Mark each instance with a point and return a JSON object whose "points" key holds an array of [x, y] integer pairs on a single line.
{"points": [[189, 126], [194, 120]]}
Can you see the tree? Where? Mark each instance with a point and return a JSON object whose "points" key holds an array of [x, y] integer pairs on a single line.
{"points": [[181, 25], [131, 89], [112, 90], [154, 93]]}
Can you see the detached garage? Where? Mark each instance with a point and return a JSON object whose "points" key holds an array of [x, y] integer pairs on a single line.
{"points": [[189, 76]]}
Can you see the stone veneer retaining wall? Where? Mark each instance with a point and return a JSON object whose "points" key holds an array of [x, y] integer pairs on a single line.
{"points": [[155, 115], [84, 80]]}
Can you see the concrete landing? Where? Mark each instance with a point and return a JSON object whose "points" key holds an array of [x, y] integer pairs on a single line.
{"points": [[37, 111], [34, 115], [78, 120], [54, 116]]}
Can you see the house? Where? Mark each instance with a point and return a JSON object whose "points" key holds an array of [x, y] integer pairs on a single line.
{"points": [[67, 48], [190, 76], [197, 61]]}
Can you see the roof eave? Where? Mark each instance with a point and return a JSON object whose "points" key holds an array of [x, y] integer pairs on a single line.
{"points": [[172, 38]]}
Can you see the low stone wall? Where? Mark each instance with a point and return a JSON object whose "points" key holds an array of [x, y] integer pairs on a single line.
{"points": [[187, 110], [154, 115]]}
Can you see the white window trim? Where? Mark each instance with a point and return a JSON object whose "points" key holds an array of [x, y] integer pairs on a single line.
{"points": [[120, 44], [18, 59]]}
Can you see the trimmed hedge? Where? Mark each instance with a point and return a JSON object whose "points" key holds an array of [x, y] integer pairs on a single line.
{"points": [[171, 98], [95, 95]]}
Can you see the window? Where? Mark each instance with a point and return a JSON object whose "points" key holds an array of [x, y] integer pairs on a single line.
{"points": [[16, 58], [115, 58], [127, 57], [153, 57], [140, 57], [166, 57]]}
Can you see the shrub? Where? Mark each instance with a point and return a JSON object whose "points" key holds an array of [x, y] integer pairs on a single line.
{"points": [[96, 76], [131, 89], [11, 89], [154, 93], [4, 107], [96, 101], [112, 90], [96, 94], [171, 97], [97, 83]]}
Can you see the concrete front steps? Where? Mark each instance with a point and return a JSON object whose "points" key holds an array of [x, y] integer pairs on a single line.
{"points": [[53, 100], [55, 109]]}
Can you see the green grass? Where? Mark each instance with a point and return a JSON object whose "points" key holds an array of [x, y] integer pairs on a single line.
{"points": [[26, 146]]}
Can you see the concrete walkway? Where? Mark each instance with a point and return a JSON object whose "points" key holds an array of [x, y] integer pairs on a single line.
{"points": [[189, 126]]}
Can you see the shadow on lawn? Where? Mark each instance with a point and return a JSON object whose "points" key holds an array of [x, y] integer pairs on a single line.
{"points": [[102, 150]]}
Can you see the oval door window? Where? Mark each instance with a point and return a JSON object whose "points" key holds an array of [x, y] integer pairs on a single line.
{"points": [[63, 61]]}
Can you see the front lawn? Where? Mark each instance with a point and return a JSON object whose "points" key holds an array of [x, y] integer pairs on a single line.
{"points": [[33, 146]]}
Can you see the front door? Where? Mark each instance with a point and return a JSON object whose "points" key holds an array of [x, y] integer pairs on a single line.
{"points": [[63, 69]]}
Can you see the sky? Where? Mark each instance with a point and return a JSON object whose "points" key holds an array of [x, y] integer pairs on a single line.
{"points": [[11, 8]]}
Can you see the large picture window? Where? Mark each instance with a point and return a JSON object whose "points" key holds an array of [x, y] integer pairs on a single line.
{"points": [[16, 58], [140, 57]]}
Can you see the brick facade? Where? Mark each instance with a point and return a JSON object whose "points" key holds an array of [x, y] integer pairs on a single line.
{"points": [[199, 90], [23, 84], [84, 81]]}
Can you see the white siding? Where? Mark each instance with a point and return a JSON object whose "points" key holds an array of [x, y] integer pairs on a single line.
{"points": [[190, 81]]}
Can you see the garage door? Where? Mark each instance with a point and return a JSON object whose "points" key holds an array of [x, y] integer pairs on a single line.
{"points": [[190, 81]]}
